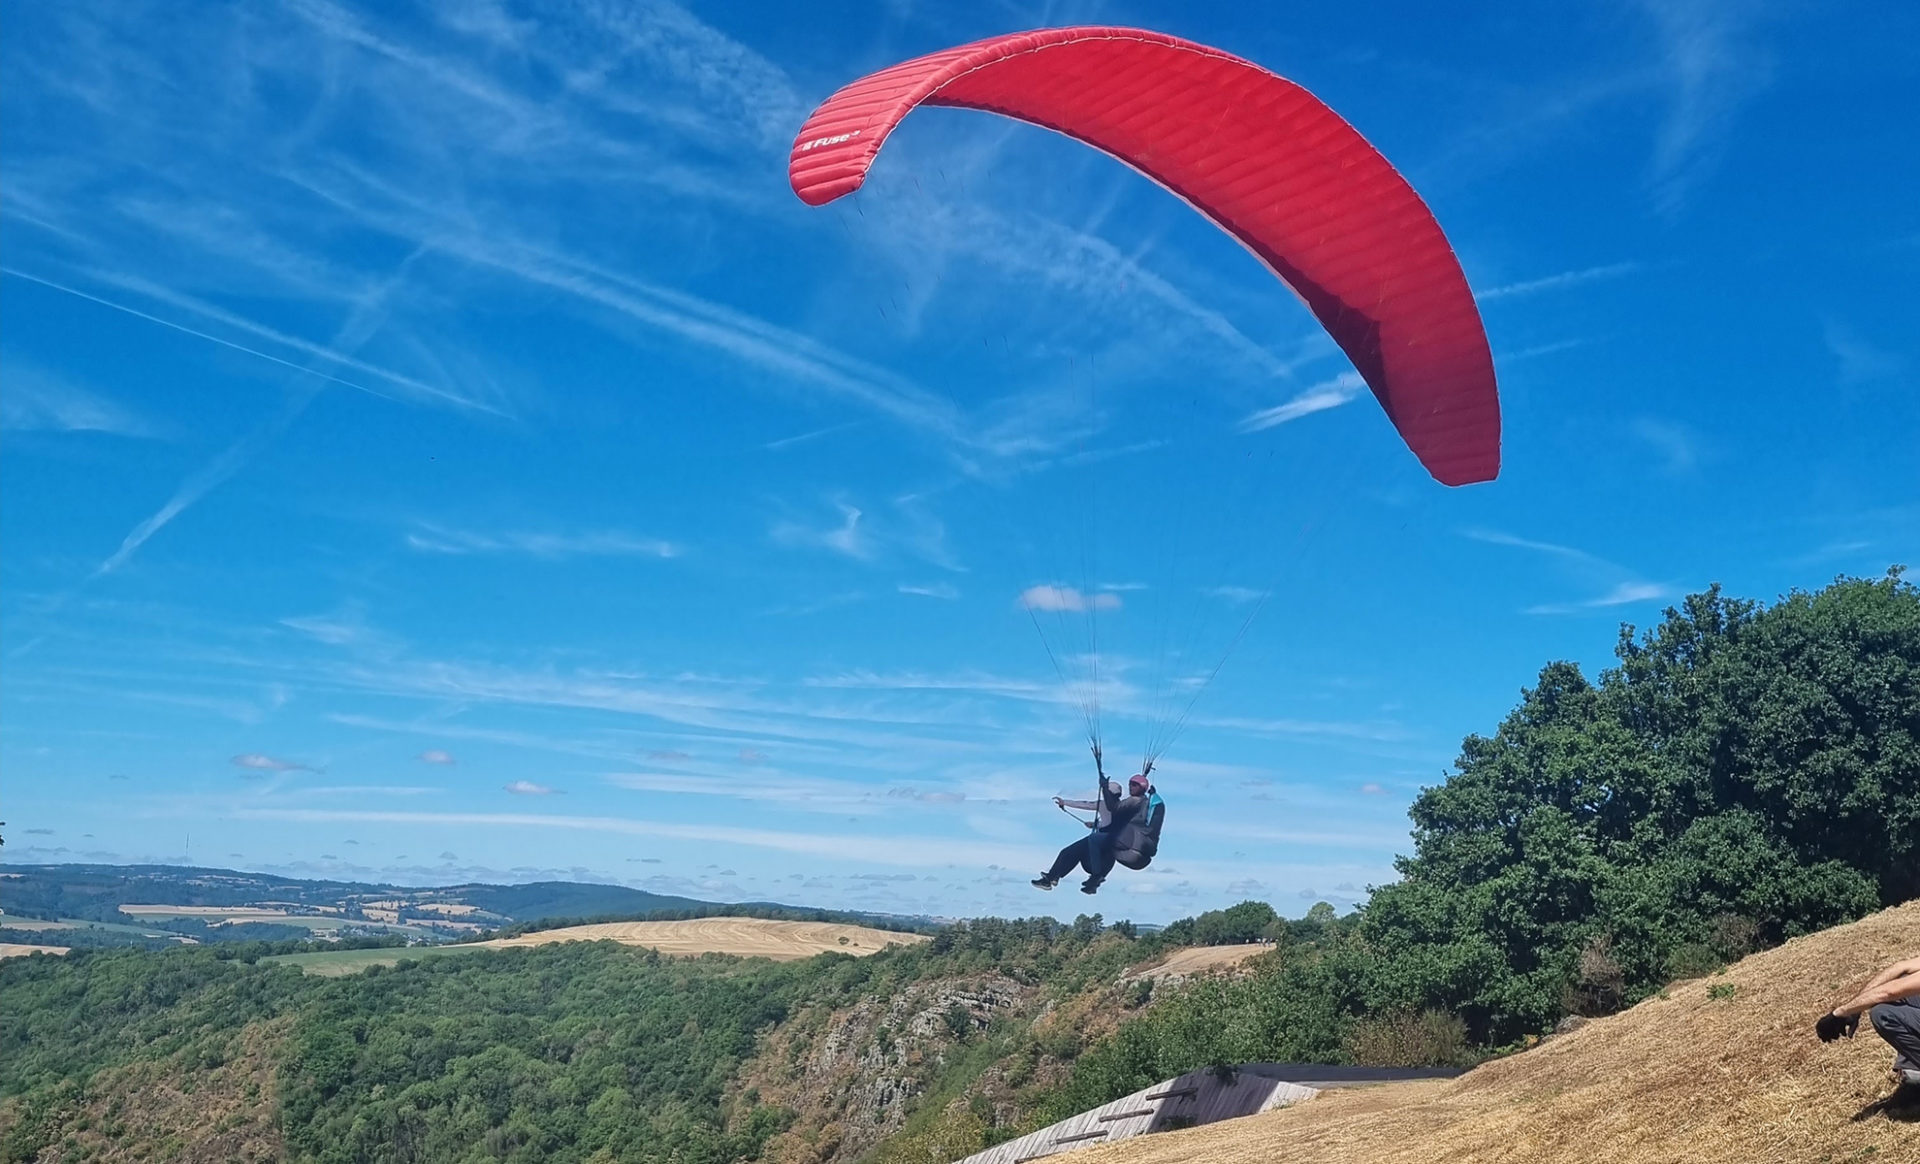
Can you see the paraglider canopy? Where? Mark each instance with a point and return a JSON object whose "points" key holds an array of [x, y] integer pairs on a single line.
{"points": [[1260, 156]]}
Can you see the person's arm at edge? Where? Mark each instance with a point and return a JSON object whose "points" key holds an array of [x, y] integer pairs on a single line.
{"points": [[1899, 969], [1883, 989]]}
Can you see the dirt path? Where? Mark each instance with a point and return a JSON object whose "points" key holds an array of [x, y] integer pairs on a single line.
{"points": [[782, 941]]}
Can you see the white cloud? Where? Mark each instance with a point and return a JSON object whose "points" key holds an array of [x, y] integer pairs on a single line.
{"points": [[334, 630], [260, 762], [1711, 64], [1318, 398], [38, 400], [1332, 729], [1066, 599], [319, 353], [845, 538], [1535, 351], [1241, 594], [1497, 538], [607, 543], [1674, 442], [1557, 282], [528, 788], [435, 756], [1624, 594], [1623, 586], [805, 437], [206, 479], [368, 313], [927, 795], [1860, 361], [931, 590], [906, 851]]}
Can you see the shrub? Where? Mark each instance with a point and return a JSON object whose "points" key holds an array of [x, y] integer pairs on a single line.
{"points": [[1429, 1038]]}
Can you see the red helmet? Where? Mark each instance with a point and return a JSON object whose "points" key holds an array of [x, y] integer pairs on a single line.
{"points": [[1138, 784]]}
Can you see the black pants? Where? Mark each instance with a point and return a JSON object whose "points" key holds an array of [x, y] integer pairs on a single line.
{"points": [[1093, 852], [1899, 1024]]}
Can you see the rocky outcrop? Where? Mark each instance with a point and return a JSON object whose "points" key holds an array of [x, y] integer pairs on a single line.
{"points": [[853, 1077]]}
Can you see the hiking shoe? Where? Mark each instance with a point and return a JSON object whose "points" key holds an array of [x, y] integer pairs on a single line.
{"points": [[1044, 883], [1092, 885], [1906, 1077]]}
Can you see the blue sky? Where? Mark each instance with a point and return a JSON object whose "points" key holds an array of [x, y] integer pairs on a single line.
{"points": [[438, 446]]}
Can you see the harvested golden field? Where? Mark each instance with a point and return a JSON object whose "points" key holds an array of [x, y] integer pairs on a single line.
{"points": [[1194, 960], [1727, 1077], [18, 950], [782, 941]]}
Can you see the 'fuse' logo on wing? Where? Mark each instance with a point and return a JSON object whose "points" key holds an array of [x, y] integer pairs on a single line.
{"points": [[836, 139]]}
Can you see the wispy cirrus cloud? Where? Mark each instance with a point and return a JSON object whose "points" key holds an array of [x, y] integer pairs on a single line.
{"points": [[1066, 600], [1318, 398], [1678, 445], [40, 400], [943, 590], [845, 538], [1860, 360], [343, 628], [972, 682], [367, 313], [435, 756], [1236, 593], [435, 539], [325, 361], [528, 788], [261, 762], [1557, 282], [1374, 732], [910, 852], [775, 446], [1623, 594], [1534, 351], [1622, 587], [1711, 63]]}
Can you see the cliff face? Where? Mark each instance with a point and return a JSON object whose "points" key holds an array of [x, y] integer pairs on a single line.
{"points": [[853, 1076]]}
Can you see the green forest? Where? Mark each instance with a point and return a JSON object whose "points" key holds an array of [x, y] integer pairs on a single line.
{"points": [[1743, 773]]}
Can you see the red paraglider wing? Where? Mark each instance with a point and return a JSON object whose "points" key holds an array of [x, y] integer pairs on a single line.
{"points": [[1257, 154]]}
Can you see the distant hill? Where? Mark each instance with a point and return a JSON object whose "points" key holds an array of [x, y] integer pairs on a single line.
{"points": [[538, 900], [96, 892]]}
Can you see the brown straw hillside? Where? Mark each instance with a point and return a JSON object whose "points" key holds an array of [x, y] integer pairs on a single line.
{"points": [[1702, 1076]]}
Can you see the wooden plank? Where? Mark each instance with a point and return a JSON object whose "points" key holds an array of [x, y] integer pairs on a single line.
{"points": [[1175, 1094]]}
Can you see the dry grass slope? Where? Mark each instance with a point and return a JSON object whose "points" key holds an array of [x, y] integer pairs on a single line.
{"points": [[1195, 960], [1692, 1078], [782, 941]]}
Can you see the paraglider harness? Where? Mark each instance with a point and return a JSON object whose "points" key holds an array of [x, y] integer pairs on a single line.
{"points": [[1143, 831]]}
